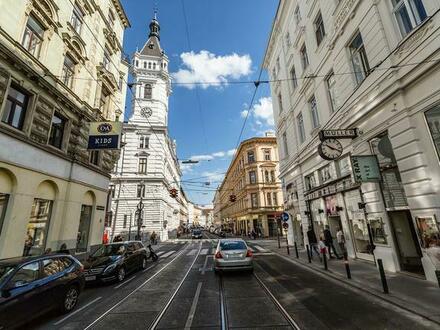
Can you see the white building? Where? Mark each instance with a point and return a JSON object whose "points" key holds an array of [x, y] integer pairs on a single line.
{"points": [[61, 67], [371, 65], [148, 158]]}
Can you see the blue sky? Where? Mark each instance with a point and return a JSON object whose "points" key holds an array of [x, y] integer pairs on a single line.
{"points": [[228, 40]]}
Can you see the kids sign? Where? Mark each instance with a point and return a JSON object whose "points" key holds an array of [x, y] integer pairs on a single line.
{"points": [[105, 135]]}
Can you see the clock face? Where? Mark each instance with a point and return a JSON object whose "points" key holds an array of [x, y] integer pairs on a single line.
{"points": [[330, 149], [146, 112]]}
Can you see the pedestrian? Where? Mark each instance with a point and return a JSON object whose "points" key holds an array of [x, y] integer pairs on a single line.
{"points": [[28, 243], [117, 238], [328, 241], [313, 242], [153, 238], [340, 238], [63, 249], [48, 251], [323, 247]]}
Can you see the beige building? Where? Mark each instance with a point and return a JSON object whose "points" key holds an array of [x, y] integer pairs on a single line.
{"points": [[61, 67], [252, 180], [370, 65]]}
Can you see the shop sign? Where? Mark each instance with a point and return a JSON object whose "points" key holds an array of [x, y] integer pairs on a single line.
{"points": [[338, 134], [332, 189], [105, 135], [365, 168]]}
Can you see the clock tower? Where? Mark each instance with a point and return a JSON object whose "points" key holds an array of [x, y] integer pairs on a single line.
{"points": [[148, 168]]}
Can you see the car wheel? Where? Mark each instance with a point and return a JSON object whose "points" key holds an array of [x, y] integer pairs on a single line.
{"points": [[154, 257], [70, 299], [144, 263], [120, 276]]}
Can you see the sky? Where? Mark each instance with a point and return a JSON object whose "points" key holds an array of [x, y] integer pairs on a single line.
{"points": [[223, 43]]}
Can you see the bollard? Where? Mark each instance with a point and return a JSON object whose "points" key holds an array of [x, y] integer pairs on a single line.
{"points": [[437, 273], [324, 255], [382, 276], [308, 254], [347, 266], [287, 245], [296, 250]]}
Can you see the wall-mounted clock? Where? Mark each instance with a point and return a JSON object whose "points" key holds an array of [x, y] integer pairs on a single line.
{"points": [[146, 112], [330, 149]]}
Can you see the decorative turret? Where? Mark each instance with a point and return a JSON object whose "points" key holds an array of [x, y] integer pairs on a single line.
{"points": [[154, 27]]}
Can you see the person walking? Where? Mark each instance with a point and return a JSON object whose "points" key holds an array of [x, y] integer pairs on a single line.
{"points": [[340, 238], [313, 242], [328, 241], [153, 238]]}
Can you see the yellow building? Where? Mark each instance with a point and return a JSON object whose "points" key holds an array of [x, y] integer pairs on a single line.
{"points": [[61, 68], [252, 181]]}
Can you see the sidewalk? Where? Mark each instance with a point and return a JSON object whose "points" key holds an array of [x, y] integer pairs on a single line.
{"points": [[411, 293]]}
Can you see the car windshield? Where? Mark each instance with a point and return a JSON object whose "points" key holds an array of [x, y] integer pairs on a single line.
{"points": [[196, 232], [232, 245], [109, 250], [5, 270]]}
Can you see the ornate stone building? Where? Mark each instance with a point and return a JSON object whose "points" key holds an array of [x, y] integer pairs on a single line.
{"points": [[61, 67]]}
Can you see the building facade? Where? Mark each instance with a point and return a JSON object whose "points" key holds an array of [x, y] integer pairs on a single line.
{"points": [[372, 66], [148, 167], [249, 197], [60, 68]]}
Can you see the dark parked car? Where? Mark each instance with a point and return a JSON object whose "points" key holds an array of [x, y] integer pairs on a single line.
{"points": [[196, 233], [114, 261], [30, 286]]}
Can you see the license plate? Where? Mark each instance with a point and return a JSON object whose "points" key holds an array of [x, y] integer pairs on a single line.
{"points": [[90, 278]]}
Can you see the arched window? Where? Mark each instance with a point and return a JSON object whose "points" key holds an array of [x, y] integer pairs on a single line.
{"points": [[147, 91], [149, 65]]}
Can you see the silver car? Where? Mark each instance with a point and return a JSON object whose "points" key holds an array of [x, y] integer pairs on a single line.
{"points": [[233, 254]]}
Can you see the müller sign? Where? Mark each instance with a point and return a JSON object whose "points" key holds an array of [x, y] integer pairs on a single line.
{"points": [[338, 134]]}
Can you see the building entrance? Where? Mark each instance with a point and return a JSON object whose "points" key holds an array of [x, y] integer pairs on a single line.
{"points": [[408, 249]]}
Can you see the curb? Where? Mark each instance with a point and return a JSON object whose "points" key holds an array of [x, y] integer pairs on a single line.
{"points": [[357, 286]]}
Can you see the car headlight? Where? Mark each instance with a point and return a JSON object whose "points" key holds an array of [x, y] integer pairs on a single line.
{"points": [[111, 267]]}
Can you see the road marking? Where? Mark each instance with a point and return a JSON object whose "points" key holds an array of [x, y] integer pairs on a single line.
{"points": [[259, 248], [77, 311], [125, 282], [134, 291], [192, 311], [160, 253], [166, 255], [204, 252], [148, 268], [204, 265], [192, 252]]}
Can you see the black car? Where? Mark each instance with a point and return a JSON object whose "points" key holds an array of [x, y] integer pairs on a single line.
{"points": [[196, 233], [30, 286], [114, 261]]}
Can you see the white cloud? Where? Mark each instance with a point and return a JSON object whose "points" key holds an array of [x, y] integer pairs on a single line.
{"points": [[231, 152], [219, 154], [210, 69], [216, 175], [201, 157], [263, 112], [187, 168], [244, 113]]}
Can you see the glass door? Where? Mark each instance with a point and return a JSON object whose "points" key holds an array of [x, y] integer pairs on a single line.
{"points": [[37, 228]]}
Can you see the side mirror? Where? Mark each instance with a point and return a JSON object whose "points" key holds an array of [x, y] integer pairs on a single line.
{"points": [[5, 293], [18, 284]]}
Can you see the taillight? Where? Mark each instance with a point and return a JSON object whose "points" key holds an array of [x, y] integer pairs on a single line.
{"points": [[218, 255], [248, 254]]}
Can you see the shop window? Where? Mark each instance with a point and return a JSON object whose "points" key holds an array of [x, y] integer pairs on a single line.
{"points": [[378, 231], [433, 120], [57, 130], [3, 205], [38, 227], [409, 14], [359, 58], [33, 36], [85, 220], [16, 107], [77, 19], [361, 237], [429, 232]]}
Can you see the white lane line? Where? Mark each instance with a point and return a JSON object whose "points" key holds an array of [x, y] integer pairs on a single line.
{"points": [[148, 268], [192, 311], [125, 282], [192, 252], [160, 253], [259, 248], [204, 252], [77, 311], [134, 291], [204, 265], [166, 255]]}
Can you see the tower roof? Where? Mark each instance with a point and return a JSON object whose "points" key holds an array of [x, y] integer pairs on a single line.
{"points": [[152, 46]]}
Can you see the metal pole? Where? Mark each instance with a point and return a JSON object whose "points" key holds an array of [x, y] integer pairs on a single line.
{"points": [[347, 266], [287, 245], [382, 276], [129, 229], [308, 253], [324, 254], [296, 250], [278, 234]]}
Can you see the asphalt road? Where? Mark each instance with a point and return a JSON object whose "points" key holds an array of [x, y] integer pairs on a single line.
{"points": [[181, 291]]}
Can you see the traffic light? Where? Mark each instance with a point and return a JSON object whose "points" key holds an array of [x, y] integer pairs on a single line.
{"points": [[232, 198], [173, 192]]}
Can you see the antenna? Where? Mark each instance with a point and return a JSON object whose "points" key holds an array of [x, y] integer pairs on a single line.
{"points": [[155, 9]]}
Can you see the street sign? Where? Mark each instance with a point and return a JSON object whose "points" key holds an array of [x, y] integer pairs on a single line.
{"points": [[365, 168], [105, 135], [338, 134], [285, 216], [285, 225]]}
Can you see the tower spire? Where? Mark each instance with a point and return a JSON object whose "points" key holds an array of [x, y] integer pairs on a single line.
{"points": [[154, 26]]}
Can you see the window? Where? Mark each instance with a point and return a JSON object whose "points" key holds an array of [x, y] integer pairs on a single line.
{"points": [[121, 82], [344, 166], [433, 120], [142, 168], [104, 101], [331, 90], [252, 177], [278, 64], [143, 142], [111, 18], [359, 59], [107, 59], [94, 157], [57, 130], [124, 224], [254, 200], [274, 73], [68, 71], [251, 157], [285, 147], [272, 176], [137, 63], [54, 266], [310, 181], [314, 112], [304, 57], [297, 16], [154, 65], [275, 199], [33, 36], [112, 191], [26, 274], [3, 205], [145, 65], [266, 154], [149, 65], [319, 29], [147, 91], [326, 174], [409, 14], [280, 102], [16, 106], [77, 19], [140, 190], [266, 176], [293, 77], [288, 41], [269, 199], [85, 219], [301, 130], [37, 227]]}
